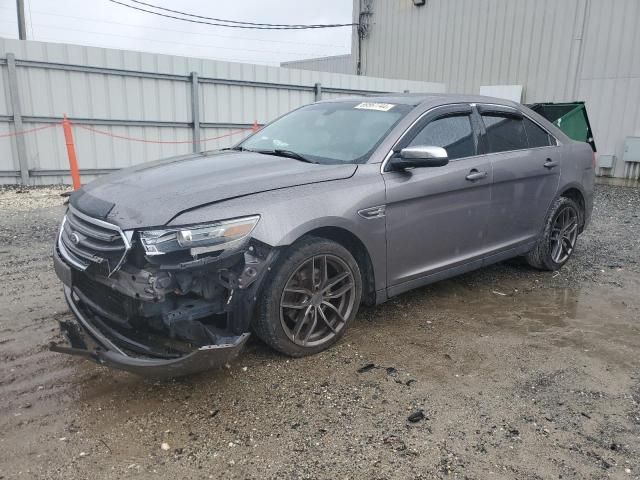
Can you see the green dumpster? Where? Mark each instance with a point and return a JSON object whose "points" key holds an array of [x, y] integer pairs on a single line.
{"points": [[571, 118]]}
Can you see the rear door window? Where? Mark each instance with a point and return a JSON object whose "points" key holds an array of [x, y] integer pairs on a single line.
{"points": [[537, 136], [504, 132], [453, 132]]}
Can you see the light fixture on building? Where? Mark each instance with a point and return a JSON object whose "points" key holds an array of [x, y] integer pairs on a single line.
{"points": [[419, 3]]}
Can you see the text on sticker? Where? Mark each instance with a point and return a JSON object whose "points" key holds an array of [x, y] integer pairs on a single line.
{"points": [[381, 107]]}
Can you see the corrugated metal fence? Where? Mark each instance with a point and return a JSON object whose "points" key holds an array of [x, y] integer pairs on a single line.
{"points": [[177, 101], [333, 64]]}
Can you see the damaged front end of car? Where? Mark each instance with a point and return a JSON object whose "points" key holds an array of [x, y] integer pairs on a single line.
{"points": [[161, 302]]}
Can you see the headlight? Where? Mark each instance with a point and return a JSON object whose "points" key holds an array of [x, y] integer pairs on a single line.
{"points": [[199, 238]]}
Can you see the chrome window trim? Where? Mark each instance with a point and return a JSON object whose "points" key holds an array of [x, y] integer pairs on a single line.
{"points": [[126, 238], [472, 105], [513, 151], [386, 159]]}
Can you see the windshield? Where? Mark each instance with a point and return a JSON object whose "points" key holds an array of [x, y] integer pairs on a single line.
{"points": [[341, 132]]}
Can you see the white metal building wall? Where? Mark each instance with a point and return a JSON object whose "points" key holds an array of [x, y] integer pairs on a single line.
{"points": [[333, 64], [149, 98], [609, 78], [559, 50]]}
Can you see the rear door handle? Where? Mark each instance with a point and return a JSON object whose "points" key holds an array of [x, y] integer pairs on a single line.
{"points": [[550, 164], [476, 175]]}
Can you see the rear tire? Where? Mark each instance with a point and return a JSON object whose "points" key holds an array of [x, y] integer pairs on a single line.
{"points": [[558, 240], [310, 297]]}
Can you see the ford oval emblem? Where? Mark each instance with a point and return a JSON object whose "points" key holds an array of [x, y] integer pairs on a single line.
{"points": [[75, 238]]}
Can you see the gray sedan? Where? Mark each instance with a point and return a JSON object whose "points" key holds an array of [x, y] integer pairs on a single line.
{"points": [[169, 266]]}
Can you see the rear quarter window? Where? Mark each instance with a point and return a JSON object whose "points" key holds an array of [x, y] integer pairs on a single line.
{"points": [[537, 136], [504, 132]]}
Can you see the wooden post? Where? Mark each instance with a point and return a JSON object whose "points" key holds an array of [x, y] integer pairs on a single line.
{"points": [[71, 153]]}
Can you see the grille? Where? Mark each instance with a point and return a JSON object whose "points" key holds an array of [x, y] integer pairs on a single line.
{"points": [[86, 241], [109, 300]]}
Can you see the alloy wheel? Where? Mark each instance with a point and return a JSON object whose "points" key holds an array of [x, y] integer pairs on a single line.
{"points": [[317, 300], [564, 234]]}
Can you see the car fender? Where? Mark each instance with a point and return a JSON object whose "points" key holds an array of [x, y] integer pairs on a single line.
{"points": [[288, 214]]}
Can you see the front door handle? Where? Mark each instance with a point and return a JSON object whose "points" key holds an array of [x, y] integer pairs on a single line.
{"points": [[476, 175], [550, 164]]}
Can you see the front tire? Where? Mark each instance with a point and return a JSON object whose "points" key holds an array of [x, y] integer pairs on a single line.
{"points": [[558, 241], [311, 296]]}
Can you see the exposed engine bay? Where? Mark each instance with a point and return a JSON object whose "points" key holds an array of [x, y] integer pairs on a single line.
{"points": [[191, 303], [162, 306]]}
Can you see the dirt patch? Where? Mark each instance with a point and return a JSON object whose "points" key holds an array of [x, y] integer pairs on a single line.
{"points": [[502, 373]]}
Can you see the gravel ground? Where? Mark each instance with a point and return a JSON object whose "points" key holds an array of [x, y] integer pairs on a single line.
{"points": [[19, 199], [506, 373]]}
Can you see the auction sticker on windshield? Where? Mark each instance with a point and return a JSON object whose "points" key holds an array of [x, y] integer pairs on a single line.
{"points": [[381, 107]]}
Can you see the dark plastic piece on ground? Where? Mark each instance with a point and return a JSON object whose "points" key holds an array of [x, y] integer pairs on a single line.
{"points": [[367, 367], [416, 416]]}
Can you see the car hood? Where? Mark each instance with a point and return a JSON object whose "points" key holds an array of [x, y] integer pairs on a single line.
{"points": [[153, 193]]}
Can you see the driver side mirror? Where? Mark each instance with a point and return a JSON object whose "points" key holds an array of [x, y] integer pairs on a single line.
{"points": [[419, 157]]}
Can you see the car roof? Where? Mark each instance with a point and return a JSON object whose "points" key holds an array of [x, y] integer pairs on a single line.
{"points": [[433, 99], [430, 100]]}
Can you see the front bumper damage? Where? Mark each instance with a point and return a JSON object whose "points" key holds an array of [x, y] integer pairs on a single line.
{"points": [[106, 352], [166, 330]]}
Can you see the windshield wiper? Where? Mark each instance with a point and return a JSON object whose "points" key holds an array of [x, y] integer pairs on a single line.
{"points": [[283, 153], [277, 152], [237, 149], [292, 154]]}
